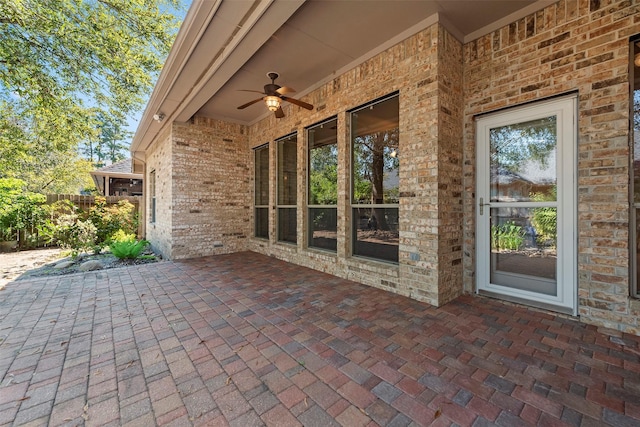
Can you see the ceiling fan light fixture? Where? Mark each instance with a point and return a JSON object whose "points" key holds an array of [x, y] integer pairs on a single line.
{"points": [[272, 102]]}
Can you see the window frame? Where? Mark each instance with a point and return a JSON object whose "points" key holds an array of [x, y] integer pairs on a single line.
{"points": [[634, 208], [281, 206], [313, 206], [260, 207], [152, 196], [353, 205]]}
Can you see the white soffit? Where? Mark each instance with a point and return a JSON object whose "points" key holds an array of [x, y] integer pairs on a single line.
{"points": [[227, 45]]}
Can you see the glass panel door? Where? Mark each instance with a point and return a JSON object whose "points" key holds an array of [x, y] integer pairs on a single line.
{"points": [[522, 166], [526, 181]]}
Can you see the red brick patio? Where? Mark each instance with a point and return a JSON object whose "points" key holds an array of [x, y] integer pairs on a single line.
{"points": [[247, 340]]}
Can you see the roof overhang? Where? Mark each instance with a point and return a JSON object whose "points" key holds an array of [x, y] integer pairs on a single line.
{"points": [[227, 45], [117, 175]]}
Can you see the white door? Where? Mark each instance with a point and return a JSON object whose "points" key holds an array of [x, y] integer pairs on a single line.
{"points": [[526, 204]]}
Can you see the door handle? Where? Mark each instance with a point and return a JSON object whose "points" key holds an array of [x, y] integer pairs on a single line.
{"points": [[482, 205]]}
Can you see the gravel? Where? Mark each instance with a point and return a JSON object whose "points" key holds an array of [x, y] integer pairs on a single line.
{"points": [[41, 262]]}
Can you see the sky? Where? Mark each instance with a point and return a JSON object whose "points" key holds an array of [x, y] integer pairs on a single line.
{"points": [[134, 120]]}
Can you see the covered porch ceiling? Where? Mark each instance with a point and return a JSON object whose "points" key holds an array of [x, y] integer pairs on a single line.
{"points": [[228, 45]]}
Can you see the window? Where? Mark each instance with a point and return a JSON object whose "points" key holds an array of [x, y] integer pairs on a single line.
{"points": [[261, 226], [152, 192], [323, 185], [287, 188], [634, 78], [375, 179]]}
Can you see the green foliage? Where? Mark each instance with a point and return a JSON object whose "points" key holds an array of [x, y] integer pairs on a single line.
{"points": [[323, 176], [122, 236], [513, 144], [507, 236], [324, 187], [362, 190], [67, 64], [372, 163], [109, 143], [80, 231], [128, 249], [109, 219], [545, 219], [69, 230], [20, 212]]}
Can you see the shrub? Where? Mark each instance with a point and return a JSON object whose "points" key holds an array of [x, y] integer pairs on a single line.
{"points": [[72, 233], [128, 249], [121, 236], [67, 228], [108, 219], [80, 231], [20, 212], [507, 236], [544, 220]]}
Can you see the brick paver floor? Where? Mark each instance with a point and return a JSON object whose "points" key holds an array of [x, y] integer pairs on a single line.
{"points": [[247, 340]]}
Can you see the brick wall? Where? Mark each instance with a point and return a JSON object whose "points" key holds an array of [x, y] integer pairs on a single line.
{"points": [[158, 159], [421, 68], [211, 191], [450, 154], [573, 45]]}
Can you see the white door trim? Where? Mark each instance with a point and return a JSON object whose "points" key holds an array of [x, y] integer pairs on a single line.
{"points": [[565, 109]]}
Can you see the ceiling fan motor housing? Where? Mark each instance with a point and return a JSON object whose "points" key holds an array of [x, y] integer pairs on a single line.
{"points": [[271, 88], [273, 94]]}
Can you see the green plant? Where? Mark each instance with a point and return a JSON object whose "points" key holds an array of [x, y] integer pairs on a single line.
{"points": [[507, 236], [67, 228], [73, 234], [545, 219], [122, 236], [128, 249], [21, 212], [109, 219]]}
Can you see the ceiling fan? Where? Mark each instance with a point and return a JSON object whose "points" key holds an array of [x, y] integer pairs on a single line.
{"points": [[273, 95]]}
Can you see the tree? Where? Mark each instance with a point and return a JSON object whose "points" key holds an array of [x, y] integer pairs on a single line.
{"points": [[20, 212], [372, 160], [66, 63], [110, 143], [323, 175], [513, 144]]}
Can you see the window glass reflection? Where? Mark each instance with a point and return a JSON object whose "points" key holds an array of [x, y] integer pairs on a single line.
{"points": [[323, 185], [523, 161], [375, 132]]}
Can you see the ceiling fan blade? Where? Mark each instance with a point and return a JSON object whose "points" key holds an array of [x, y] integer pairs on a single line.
{"points": [[284, 90], [249, 103], [279, 113], [297, 102], [250, 90]]}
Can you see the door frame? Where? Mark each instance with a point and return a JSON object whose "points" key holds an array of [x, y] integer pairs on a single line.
{"points": [[565, 108]]}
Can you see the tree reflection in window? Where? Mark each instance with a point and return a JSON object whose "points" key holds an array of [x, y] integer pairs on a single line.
{"points": [[375, 179], [523, 169], [323, 185], [523, 160]]}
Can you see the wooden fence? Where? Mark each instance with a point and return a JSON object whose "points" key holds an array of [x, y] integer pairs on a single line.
{"points": [[85, 202]]}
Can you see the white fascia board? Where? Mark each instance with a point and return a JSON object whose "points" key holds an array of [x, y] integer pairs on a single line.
{"points": [[193, 27], [265, 18]]}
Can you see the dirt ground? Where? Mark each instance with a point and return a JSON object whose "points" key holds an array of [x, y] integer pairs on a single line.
{"points": [[14, 264]]}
